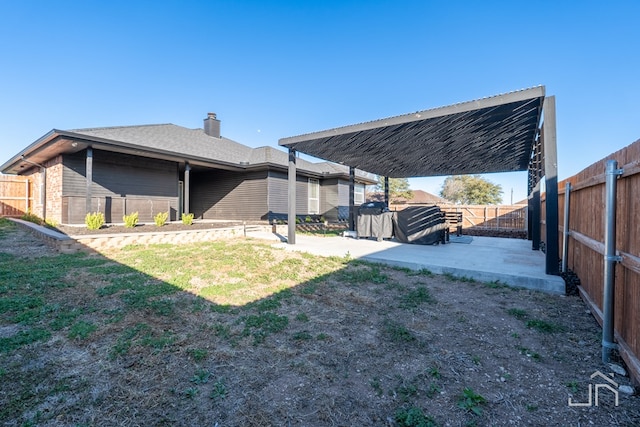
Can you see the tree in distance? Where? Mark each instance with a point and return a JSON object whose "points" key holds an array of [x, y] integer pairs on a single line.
{"points": [[398, 188], [471, 190]]}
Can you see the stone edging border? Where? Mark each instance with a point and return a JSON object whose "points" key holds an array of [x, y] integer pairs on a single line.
{"points": [[88, 243]]}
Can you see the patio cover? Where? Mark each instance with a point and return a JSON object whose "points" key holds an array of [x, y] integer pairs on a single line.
{"points": [[495, 134]]}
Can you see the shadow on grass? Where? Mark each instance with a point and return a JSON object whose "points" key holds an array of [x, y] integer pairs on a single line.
{"points": [[161, 311], [237, 333]]}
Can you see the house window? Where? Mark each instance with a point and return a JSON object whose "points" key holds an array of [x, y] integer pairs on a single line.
{"points": [[358, 194], [314, 196]]}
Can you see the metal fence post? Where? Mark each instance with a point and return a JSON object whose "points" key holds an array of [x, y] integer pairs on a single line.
{"points": [[565, 240], [610, 259]]}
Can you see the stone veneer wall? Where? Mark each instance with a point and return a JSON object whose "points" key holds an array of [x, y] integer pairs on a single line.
{"points": [[54, 189], [88, 243]]}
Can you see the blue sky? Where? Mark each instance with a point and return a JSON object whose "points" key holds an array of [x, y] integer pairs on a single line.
{"points": [[277, 69]]}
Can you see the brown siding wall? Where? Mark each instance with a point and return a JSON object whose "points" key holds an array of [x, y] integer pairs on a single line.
{"points": [[220, 194]]}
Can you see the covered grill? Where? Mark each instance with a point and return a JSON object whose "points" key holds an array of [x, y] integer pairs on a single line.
{"points": [[424, 225], [374, 220]]}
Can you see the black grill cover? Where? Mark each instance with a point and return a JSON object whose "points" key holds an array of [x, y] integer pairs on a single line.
{"points": [[374, 220], [372, 208], [424, 225]]}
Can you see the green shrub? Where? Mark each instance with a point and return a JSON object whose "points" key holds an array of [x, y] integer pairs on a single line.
{"points": [[161, 218], [413, 417], [94, 221], [308, 219], [50, 223], [471, 401], [187, 219], [28, 216], [130, 220]]}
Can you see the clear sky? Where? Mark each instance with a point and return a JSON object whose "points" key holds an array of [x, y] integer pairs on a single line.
{"points": [[273, 69]]}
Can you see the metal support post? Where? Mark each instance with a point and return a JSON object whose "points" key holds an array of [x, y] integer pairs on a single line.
{"points": [[386, 191], [610, 259], [565, 239], [291, 215], [352, 184], [535, 218]]}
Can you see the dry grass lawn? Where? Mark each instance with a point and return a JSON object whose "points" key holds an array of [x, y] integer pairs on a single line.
{"points": [[237, 333]]}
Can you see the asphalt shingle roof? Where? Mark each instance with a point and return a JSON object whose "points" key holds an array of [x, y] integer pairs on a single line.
{"points": [[195, 143], [174, 139]]}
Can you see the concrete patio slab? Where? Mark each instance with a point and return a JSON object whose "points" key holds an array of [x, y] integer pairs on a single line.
{"points": [[487, 259]]}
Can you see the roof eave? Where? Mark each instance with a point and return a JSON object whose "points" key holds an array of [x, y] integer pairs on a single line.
{"points": [[32, 148], [307, 172]]}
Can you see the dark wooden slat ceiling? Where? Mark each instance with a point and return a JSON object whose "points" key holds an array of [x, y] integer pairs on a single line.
{"points": [[493, 134]]}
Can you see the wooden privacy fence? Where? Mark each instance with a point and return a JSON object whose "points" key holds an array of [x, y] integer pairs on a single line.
{"points": [[16, 195], [494, 217], [586, 248], [512, 217]]}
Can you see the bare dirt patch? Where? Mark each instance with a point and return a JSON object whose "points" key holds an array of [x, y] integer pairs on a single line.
{"points": [[22, 243], [360, 345]]}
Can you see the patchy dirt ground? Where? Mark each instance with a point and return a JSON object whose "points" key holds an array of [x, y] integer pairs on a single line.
{"points": [[364, 346]]}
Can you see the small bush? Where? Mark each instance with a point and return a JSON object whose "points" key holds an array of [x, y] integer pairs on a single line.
{"points": [[130, 220], [161, 218], [50, 223], [28, 216], [187, 219], [94, 221], [308, 219]]}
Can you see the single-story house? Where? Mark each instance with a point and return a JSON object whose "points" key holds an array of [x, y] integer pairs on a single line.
{"points": [[168, 168]]}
